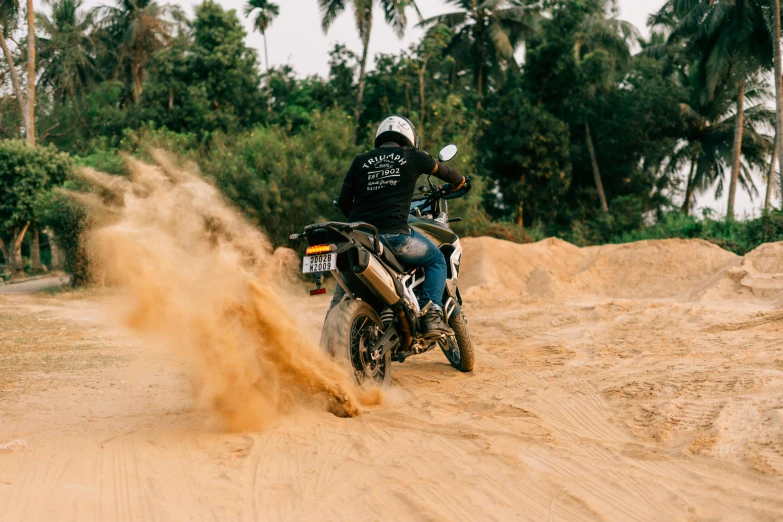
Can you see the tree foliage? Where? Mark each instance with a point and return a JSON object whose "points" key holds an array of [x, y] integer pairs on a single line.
{"points": [[26, 172], [591, 113], [529, 168]]}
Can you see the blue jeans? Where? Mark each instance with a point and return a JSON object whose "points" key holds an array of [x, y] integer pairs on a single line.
{"points": [[414, 249]]}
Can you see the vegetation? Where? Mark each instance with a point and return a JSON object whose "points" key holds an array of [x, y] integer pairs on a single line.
{"points": [[738, 236], [589, 132], [264, 12], [26, 173]]}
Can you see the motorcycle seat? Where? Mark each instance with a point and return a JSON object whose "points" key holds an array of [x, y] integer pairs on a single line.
{"points": [[388, 257]]}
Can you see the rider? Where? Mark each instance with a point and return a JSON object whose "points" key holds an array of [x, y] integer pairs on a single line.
{"points": [[378, 190]]}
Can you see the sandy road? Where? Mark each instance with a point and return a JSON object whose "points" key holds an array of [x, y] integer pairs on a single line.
{"points": [[580, 408], [35, 285]]}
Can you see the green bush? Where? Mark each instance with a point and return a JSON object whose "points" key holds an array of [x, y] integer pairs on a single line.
{"points": [[739, 237], [25, 173], [108, 161], [279, 180], [68, 220], [285, 182]]}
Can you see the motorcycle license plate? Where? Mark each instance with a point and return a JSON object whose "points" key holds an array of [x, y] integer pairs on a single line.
{"points": [[319, 263]]}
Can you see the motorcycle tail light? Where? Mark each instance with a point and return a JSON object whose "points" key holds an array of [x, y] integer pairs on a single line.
{"points": [[318, 291], [318, 249]]}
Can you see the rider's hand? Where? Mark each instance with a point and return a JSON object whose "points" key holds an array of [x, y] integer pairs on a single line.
{"points": [[448, 188]]}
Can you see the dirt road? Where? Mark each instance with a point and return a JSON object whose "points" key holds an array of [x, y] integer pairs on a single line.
{"points": [[642, 382], [35, 285]]}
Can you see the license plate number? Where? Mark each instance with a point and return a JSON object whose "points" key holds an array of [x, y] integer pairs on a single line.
{"points": [[319, 263]]}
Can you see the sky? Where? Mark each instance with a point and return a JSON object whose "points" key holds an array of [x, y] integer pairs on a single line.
{"points": [[296, 38]]}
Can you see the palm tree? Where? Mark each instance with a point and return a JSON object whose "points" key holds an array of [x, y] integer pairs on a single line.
{"points": [[606, 39], [9, 13], [486, 34], [734, 41], [394, 13], [66, 51], [707, 150], [771, 176], [137, 29], [778, 90], [266, 12], [432, 45], [30, 74]]}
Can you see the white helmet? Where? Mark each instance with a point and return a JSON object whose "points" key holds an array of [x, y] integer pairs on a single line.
{"points": [[398, 129]]}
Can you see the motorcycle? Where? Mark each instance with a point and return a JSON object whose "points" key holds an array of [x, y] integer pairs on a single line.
{"points": [[378, 320]]}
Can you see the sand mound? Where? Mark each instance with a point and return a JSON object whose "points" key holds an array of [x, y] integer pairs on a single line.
{"points": [[684, 269], [759, 275], [493, 266]]}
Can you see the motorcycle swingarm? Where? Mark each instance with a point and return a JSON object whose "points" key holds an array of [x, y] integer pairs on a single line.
{"points": [[385, 342]]}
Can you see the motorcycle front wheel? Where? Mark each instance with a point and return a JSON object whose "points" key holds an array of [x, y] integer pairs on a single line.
{"points": [[458, 348], [349, 332]]}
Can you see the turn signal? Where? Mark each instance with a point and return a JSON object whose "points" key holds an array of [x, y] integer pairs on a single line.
{"points": [[318, 249]]}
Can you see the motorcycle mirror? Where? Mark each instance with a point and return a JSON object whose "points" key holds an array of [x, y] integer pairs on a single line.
{"points": [[448, 152]]}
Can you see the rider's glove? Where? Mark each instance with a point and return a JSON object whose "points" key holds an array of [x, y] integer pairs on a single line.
{"points": [[448, 188]]}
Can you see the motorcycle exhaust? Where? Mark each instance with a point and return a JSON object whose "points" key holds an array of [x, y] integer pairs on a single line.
{"points": [[372, 273]]}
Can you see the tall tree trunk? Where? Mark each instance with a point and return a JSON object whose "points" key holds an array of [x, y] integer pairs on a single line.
{"points": [[57, 255], [6, 255], [479, 39], [778, 88], [408, 95], [35, 252], [422, 102], [771, 175], [266, 53], [14, 79], [520, 216], [30, 74], [737, 150], [362, 73], [480, 86], [596, 173], [17, 263], [689, 189], [138, 76], [268, 79]]}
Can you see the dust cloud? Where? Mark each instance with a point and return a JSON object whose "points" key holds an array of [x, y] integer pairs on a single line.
{"points": [[202, 280]]}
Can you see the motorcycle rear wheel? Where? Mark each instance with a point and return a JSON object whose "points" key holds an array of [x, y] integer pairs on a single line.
{"points": [[458, 348], [349, 332]]}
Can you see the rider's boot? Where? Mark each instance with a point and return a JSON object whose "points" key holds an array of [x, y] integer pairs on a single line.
{"points": [[433, 325]]}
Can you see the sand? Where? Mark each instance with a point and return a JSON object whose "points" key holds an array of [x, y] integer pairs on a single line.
{"points": [[623, 382]]}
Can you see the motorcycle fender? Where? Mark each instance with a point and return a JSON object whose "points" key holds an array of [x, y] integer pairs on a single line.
{"points": [[451, 289]]}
